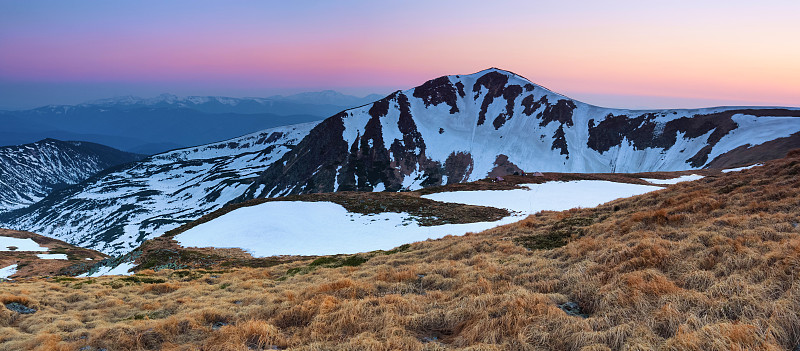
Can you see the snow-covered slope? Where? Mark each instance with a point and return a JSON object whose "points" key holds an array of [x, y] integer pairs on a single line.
{"points": [[324, 228], [549, 196], [118, 209], [448, 130], [30, 172]]}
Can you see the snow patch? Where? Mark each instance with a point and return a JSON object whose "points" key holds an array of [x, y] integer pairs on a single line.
{"points": [[8, 271], [21, 244], [685, 178], [52, 256], [324, 228], [316, 228], [121, 269], [741, 168], [551, 196]]}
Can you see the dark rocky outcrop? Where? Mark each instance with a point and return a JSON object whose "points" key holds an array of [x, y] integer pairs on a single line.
{"points": [[560, 112], [323, 162], [643, 132], [20, 308], [458, 167], [439, 90], [310, 166], [495, 83], [503, 167], [531, 105], [510, 93], [560, 141], [748, 154]]}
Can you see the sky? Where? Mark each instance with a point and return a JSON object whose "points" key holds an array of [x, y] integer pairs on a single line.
{"points": [[615, 53]]}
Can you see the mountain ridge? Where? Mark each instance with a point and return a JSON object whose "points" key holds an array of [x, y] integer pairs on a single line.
{"points": [[448, 130]]}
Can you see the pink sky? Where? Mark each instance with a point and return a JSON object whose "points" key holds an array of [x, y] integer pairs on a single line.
{"points": [[620, 53]]}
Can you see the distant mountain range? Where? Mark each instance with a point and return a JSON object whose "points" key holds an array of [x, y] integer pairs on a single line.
{"points": [[448, 130], [323, 103], [166, 122], [30, 172]]}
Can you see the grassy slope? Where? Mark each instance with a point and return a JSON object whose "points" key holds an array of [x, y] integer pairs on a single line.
{"points": [[705, 265]]}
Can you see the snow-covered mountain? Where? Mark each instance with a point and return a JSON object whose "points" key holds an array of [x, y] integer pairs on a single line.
{"points": [[328, 97], [450, 129], [322, 103], [462, 128], [30, 172], [117, 209]]}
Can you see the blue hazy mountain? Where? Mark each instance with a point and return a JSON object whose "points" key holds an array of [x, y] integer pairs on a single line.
{"points": [[152, 125]]}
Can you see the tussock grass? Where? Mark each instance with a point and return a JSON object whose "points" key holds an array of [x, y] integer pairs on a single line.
{"points": [[698, 266]]}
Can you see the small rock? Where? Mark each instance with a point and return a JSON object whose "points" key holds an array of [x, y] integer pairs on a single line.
{"points": [[217, 325], [20, 308], [430, 339], [572, 309]]}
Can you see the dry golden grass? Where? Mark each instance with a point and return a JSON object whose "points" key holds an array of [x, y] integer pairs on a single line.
{"points": [[706, 265]]}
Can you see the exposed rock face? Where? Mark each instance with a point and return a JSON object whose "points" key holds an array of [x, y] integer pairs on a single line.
{"points": [[502, 167], [458, 167], [450, 129], [747, 154], [439, 90]]}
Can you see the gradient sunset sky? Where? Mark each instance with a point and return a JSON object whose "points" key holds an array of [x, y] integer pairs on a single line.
{"points": [[635, 54]]}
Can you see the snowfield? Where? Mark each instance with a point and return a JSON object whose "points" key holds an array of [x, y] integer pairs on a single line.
{"points": [[550, 196], [21, 244], [324, 228], [686, 178], [316, 228], [8, 271]]}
